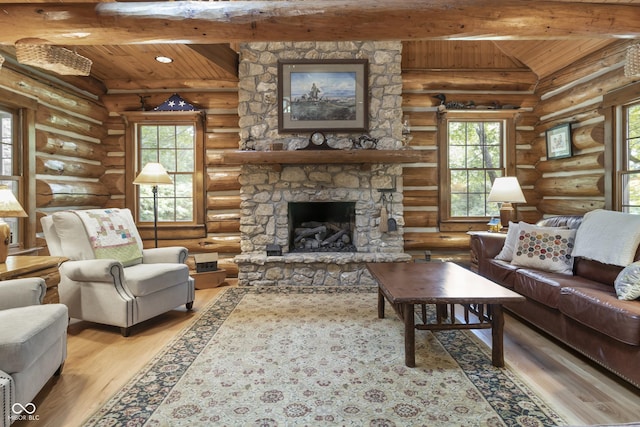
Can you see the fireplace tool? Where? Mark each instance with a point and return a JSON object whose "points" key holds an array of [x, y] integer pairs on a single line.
{"points": [[392, 225], [384, 218]]}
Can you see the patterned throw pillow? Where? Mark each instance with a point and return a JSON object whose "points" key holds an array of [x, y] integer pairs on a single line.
{"points": [[547, 249], [627, 283]]}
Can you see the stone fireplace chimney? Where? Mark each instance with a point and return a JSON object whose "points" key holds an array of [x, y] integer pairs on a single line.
{"points": [[267, 190]]}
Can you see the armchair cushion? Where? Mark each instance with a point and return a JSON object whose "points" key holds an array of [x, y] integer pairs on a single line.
{"points": [[40, 327], [145, 279]]}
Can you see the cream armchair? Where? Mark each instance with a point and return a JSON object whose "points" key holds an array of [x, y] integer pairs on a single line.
{"points": [[109, 277], [33, 345]]}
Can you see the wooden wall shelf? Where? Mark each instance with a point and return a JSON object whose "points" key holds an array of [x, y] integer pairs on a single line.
{"points": [[307, 157]]}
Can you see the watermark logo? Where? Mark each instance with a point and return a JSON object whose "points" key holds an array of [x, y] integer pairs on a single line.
{"points": [[22, 412]]}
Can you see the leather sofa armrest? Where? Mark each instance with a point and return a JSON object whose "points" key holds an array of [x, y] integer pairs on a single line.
{"points": [[172, 254], [487, 245], [22, 292]]}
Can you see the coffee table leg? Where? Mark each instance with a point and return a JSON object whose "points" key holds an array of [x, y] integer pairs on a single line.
{"points": [[409, 335], [497, 326], [380, 304]]}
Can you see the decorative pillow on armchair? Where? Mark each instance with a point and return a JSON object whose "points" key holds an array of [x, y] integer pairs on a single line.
{"points": [[627, 283], [547, 249]]}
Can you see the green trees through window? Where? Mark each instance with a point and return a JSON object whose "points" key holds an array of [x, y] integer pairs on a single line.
{"points": [[475, 159], [174, 147]]}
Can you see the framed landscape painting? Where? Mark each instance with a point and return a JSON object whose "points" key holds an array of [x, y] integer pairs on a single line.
{"points": [[318, 95]]}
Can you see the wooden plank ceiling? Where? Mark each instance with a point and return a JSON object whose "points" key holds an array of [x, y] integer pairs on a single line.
{"points": [[125, 66]]}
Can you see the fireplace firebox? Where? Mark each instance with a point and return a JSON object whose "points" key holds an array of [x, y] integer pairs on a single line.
{"points": [[321, 226]]}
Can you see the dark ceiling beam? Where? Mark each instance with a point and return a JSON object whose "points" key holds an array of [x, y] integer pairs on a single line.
{"points": [[301, 20]]}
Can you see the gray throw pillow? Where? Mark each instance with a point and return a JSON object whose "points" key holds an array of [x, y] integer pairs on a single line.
{"points": [[627, 283]]}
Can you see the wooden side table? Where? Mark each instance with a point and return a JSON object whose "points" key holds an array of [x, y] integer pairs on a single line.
{"points": [[46, 267]]}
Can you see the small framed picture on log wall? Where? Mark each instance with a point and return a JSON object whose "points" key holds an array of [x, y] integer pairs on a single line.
{"points": [[559, 142], [323, 95]]}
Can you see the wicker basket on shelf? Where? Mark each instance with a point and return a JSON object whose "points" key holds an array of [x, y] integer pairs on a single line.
{"points": [[53, 58]]}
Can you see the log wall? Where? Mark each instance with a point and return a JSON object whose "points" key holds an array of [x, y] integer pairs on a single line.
{"points": [[423, 232], [576, 185], [222, 189], [64, 147]]}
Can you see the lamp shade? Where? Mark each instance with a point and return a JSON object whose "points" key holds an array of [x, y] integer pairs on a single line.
{"points": [[506, 189], [153, 174], [9, 205]]}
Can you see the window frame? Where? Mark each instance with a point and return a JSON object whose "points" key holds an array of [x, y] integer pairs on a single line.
{"points": [[613, 105], [15, 179], [25, 108], [446, 221], [166, 229]]}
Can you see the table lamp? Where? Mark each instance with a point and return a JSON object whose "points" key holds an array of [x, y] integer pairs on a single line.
{"points": [[153, 174], [9, 207], [506, 190]]}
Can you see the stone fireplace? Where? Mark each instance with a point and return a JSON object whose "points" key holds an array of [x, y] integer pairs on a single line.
{"points": [[267, 195], [280, 197]]}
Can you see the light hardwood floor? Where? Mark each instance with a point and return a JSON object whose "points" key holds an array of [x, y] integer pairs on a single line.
{"points": [[100, 362]]}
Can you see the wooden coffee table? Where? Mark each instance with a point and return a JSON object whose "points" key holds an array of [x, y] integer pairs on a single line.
{"points": [[442, 283]]}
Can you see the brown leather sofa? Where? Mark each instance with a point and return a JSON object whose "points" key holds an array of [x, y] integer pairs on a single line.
{"points": [[582, 310]]}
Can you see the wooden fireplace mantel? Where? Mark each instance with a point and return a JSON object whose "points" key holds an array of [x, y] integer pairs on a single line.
{"points": [[306, 157]]}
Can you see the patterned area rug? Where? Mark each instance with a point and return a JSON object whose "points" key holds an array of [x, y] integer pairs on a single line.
{"points": [[319, 356]]}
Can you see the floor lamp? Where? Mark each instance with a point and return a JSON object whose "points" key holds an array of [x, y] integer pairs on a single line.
{"points": [[153, 174], [506, 190], [9, 207]]}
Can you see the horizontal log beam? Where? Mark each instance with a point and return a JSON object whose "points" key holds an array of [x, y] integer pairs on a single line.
{"points": [[430, 241], [485, 80], [51, 193], [60, 120], [223, 180], [569, 206], [223, 222], [576, 186], [420, 198], [584, 162], [420, 176], [62, 145], [420, 218], [298, 20], [64, 167]]}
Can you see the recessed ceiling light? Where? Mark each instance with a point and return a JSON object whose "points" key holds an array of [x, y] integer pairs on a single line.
{"points": [[164, 59]]}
